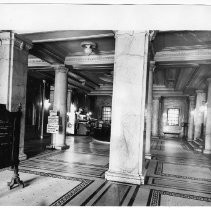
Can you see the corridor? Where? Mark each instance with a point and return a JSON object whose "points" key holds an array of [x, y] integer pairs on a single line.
{"points": [[176, 176]]}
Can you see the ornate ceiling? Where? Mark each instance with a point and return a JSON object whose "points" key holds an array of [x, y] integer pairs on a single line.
{"points": [[183, 59], [87, 72]]}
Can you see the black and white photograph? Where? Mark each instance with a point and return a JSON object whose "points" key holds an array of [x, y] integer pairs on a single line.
{"points": [[105, 104]]}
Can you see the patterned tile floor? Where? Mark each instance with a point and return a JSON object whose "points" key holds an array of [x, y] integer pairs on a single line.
{"points": [[176, 176]]}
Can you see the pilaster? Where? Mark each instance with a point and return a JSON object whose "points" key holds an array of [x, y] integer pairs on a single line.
{"points": [[191, 117], [207, 149], [155, 116], [149, 112], [13, 80], [199, 113]]}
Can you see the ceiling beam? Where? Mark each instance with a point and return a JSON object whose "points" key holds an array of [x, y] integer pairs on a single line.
{"points": [[46, 54], [42, 74], [170, 55], [64, 39], [85, 77], [79, 85], [98, 93], [192, 77]]}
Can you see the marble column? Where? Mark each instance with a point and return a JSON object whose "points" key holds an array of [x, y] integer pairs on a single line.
{"points": [[126, 161], [199, 113], [69, 94], [191, 118], [60, 104], [13, 76], [155, 116], [149, 112], [207, 149]]}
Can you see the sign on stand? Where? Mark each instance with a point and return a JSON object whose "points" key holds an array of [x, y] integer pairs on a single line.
{"points": [[52, 128], [53, 122]]}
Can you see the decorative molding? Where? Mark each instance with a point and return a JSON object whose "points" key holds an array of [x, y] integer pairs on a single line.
{"points": [[22, 44], [37, 62], [183, 55], [91, 59], [110, 52]]}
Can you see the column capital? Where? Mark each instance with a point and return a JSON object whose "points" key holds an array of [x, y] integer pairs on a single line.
{"points": [[152, 66], [200, 91], [6, 37], [192, 98], [21, 43], [61, 68], [128, 33], [156, 97], [152, 34]]}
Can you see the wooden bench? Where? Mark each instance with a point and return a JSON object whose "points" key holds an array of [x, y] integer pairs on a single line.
{"points": [[171, 133]]}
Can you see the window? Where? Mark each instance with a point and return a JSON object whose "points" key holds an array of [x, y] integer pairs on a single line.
{"points": [[173, 116], [106, 115]]}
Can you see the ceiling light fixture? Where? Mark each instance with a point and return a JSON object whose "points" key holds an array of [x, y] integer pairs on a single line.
{"points": [[88, 47]]}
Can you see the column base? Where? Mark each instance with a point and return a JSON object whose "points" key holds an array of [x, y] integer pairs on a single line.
{"points": [[126, 178], [62, 147], [148, 156], [206, 151], [22, 156], [51, 146]]}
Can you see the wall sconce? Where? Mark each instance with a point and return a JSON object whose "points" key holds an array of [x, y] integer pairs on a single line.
{"points": [[47, 104], [89, 47]]}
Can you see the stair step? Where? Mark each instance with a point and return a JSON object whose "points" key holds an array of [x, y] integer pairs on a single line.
{"points": [[199, 144], [192, 144], [198, 149], [200, 140]]}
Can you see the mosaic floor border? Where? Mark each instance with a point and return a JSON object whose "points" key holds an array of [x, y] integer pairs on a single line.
{"points": [[52, 166], [193, 186], [155, 197], [84, 183], [159, 171]]}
